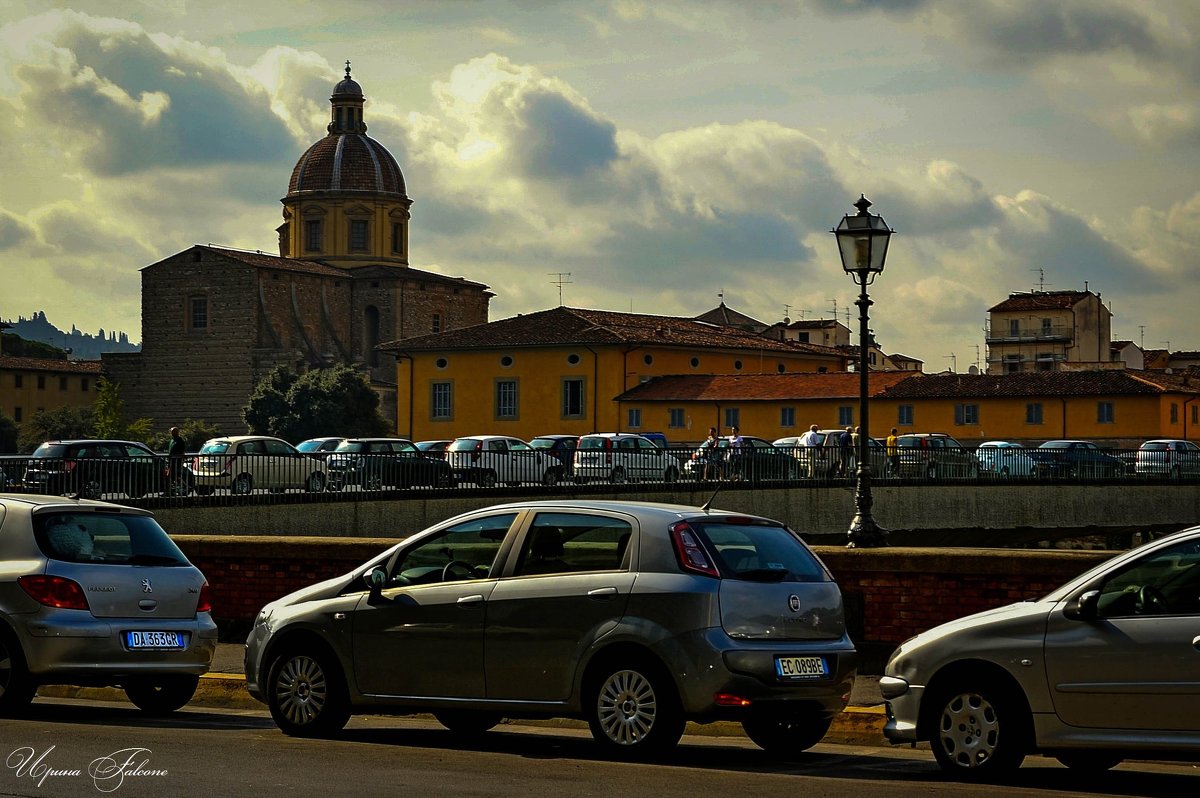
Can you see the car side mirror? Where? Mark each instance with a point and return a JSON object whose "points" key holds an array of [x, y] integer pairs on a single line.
{"points": [[376, 578], [1083, 607]]}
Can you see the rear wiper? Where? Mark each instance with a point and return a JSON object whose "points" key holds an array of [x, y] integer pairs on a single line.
{"points": [[763, 574]]}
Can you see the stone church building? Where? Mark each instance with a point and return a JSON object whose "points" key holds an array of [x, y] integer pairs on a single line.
{"points": [[216, 320]]}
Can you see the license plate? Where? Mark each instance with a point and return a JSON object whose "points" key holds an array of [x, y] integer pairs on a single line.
{"points": [[800, 667], [161, 640]]}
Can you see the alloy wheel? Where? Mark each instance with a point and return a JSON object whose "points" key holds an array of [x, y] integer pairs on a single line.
{"points": [[626, 707]]}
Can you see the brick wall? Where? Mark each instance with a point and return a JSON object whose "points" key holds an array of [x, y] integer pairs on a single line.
{"points": [[891, 594]]}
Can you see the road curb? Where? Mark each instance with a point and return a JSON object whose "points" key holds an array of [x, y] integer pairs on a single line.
{"points": [[855, 726]]}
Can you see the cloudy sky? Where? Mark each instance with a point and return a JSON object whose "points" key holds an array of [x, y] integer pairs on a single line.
{"points": [[660, 152]]}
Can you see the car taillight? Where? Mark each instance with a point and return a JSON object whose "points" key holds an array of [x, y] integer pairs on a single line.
{"points": [[690, 552], [205, 602], [608, 445], [54, 591], [475, 453], [69, 465]]}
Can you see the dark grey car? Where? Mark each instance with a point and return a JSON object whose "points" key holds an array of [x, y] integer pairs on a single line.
{"points": [[635, 617], [97, 594]]}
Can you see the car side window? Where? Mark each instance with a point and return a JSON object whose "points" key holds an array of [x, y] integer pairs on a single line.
{"points": [[463, 551], [574, 542], [135, 451], [278, 448], [498, 446], [251, 447], [1166, 582]]}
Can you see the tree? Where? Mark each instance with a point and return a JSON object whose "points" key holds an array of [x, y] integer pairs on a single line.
{"points": [[334, 401], [8, 434], [62, 423], [108, 410]]}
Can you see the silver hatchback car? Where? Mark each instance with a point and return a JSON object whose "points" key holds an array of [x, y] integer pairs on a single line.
{"points": [[96, 594], [633, 616], [1105, 667]]}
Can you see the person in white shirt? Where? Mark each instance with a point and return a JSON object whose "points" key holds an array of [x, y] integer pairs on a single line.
{"points": [[811, 439]]}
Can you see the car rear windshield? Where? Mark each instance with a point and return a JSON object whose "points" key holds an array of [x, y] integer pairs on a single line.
{"points": [[351, 446], [105, 538], [1155, 446], [215, 447], [594, 443], [759, 552], [464, 445], [50, 450]]}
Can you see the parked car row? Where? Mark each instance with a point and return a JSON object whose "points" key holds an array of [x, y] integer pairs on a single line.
{"points": [[642, 616], [244, 464]]}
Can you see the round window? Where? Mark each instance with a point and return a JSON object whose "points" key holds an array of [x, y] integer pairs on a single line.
{"points": [[441, 362], [506, 361], [695, 362], [737, 365], [573, 359], [648, 359]]}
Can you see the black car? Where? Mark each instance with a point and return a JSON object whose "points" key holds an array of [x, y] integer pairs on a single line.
{"points": [[376, 463], [1069, 459], [560, 447], [93, 468]]}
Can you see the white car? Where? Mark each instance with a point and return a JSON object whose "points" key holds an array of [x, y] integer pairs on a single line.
{"points": [[1168, 458], [622, 456], [244, 463], [490, 459], [1004, 459]]}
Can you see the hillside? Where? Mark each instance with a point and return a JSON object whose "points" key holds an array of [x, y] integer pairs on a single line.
{"points": [[81, 345]]}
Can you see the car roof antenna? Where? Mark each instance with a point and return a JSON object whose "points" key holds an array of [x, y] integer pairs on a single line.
{"points": [[708, 504]]}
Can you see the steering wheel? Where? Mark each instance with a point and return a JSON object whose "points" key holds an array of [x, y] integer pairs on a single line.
{"points": [[447, 572], [1150, 601]]}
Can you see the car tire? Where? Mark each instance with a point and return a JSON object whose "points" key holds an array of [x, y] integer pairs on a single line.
{"points": [[204, 490], [466, 723], [316, 482], [444, 479], [784, 736], [633, 710], [487, 479], [242, 485], [977, 733], [672, 475], [334, 485], [162, 695], [91, 489], [370, 482], [1089, 761], [307, 695], [617, 476], [16, 685], [550, 478]]}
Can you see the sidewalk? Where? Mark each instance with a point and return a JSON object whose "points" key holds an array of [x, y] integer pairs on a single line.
{"points": [[225, 687]]}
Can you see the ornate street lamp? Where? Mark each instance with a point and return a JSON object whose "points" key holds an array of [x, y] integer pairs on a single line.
{"points": [[863, 243]]}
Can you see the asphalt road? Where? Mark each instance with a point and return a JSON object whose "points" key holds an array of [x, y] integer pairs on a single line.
{"points": [[64, 747]]}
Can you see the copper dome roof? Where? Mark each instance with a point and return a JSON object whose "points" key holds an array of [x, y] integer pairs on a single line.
{"points": [[347, 162]]}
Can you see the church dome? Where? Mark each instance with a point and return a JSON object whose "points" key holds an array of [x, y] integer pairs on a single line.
{"points": [[347, 160]]}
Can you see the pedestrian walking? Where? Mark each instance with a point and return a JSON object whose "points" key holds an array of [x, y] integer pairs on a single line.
{"points": [[810, 440], [893, 453], [176, 450], [712, 449], [845, 449]]}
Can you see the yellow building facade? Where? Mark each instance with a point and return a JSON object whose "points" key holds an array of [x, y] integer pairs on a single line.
{"points": [[561, 370], [28, 385], [1116, 408]]}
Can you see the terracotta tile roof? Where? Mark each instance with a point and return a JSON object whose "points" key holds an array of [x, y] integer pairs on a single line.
{"points": [[261, 260], [9, 362], [566, 326], [760, 387], [1040, 300], [1050, 383]]}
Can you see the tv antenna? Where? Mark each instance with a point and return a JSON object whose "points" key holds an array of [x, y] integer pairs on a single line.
{"points": [[1041, 279], [835, 310], [976, 356], [560, 279], [953, 362]]}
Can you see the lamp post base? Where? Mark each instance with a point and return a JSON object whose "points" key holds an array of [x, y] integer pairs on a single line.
{"points": [[864, 533]]}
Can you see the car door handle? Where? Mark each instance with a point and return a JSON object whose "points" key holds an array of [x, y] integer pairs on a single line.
{"points": [[603, 594], [472, 601]]}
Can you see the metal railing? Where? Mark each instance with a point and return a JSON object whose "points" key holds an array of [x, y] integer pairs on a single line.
{"points": [[224, 479]]}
